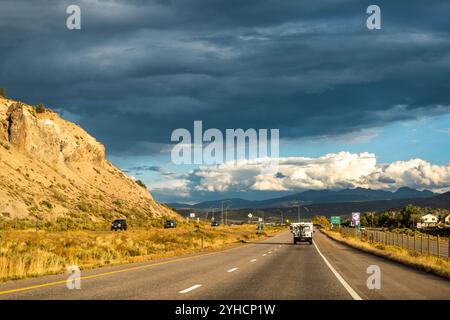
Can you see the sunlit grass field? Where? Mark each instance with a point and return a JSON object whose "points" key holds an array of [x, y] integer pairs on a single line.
{"points": [[31, 253], [439, 266]]}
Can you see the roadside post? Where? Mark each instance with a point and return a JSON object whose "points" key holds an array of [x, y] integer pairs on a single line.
{"points": [[421, 244], [260, 227], [448, 248], [438, 247], [428, 246], [356, 222]]}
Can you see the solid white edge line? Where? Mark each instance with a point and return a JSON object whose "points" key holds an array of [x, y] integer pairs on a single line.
{"points": [[190, 288], [347, 287], [232, 270], [253, 260]]}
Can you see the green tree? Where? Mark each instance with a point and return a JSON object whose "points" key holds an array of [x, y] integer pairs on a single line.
{"points": [[364, 221], [411, 215], [3, 93], [321, 220]]}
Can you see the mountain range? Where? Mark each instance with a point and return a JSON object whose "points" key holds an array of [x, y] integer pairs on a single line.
{"points": [[311, 197], [440, 201]]}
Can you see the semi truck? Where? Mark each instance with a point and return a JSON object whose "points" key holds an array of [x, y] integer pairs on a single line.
{"points": [[302, 232]]}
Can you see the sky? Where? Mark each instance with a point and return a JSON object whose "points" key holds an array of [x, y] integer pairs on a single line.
{"points": [[354, 107]]}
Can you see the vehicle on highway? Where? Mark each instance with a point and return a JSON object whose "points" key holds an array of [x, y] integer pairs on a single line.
{"points": [[170, 224], [215, 224], [302, 232], [119, 224]]}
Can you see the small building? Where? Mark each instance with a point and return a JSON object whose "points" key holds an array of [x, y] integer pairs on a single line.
{"points": [[427, 221], [447, 220]]}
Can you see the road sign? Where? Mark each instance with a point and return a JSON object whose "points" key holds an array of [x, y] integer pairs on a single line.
{"points": [[250, 215], [192, 215], [355, 219], [336, 220]]}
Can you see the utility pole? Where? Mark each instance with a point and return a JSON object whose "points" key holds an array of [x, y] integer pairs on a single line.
{"points": [[298, 213], [226, 215], [221, 222]]}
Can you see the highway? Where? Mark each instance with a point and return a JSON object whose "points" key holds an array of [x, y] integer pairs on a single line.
{"points": [[271, 269]]}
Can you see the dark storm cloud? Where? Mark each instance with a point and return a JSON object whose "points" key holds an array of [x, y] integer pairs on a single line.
{"points": [[140, 69], [146, 168]]}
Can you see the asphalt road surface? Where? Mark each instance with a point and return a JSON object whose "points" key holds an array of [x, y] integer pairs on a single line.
{"points": [[271, 269]]}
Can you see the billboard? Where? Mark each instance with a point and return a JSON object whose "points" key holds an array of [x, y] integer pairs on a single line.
{"points": [[355, 219]]}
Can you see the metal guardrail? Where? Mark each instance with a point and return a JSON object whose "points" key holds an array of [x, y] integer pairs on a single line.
{"points": [[418, 243]]}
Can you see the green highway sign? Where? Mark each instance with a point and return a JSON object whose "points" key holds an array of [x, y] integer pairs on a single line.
{"points": [[336, 220]]}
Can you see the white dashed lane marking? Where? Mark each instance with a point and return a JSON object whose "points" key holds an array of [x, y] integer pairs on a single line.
{"points": [[190, 288]]}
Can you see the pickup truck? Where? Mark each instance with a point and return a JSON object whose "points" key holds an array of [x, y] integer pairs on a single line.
{"points": [[302, 231]]}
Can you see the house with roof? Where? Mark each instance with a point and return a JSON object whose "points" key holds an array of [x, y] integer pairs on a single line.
{"points": [[427, 221], [447, 220]]}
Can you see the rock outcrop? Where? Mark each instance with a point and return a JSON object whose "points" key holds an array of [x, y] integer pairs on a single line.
{"points": [[52, 168]]}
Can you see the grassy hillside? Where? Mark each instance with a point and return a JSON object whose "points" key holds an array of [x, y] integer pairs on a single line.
{"points": [[54, 172]]}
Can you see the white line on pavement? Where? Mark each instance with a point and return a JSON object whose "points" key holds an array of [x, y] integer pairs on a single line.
{"points": [[232, 270], [349, 289], [264, 255], [190, 289], [253, 260]]}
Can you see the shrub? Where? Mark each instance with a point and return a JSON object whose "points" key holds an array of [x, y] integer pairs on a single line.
{"points": [[5, 145], [40, 108], [3, 93], [47, 204], [140, 183], [117, 203]]}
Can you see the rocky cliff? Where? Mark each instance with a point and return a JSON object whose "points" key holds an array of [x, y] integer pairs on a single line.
{"points": [[51, 168]]}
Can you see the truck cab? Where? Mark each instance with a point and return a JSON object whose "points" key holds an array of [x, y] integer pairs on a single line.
{"points": [[302, 232]]}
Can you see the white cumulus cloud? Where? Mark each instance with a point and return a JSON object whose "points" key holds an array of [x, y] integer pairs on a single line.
{"points": [[332, 171]]}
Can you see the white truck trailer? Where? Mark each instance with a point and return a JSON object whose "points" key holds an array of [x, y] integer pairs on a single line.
{"points": [[302, 232]]}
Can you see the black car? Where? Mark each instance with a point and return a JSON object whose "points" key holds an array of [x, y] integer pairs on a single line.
{"points": [[215, 224], [119, 224], [170, 224]]}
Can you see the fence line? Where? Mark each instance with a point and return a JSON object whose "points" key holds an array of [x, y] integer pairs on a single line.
{"points": [[418, 243]]}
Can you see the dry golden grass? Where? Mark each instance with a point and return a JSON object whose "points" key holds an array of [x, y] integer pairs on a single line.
{"points": [[430, 264], [29, 254]]}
